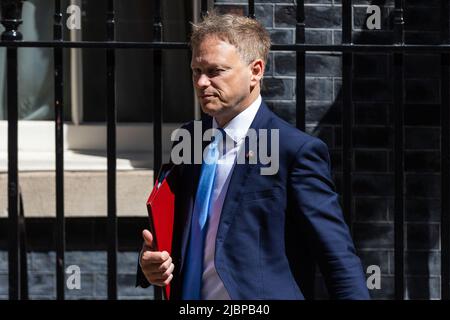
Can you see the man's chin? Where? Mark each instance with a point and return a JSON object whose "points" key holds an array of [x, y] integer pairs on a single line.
{"points": [[210, 110]]}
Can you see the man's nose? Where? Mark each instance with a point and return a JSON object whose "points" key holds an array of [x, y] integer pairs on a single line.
{"points": [[202, 81]]}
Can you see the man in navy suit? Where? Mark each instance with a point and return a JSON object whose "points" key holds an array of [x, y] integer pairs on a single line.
{"points": [[263, 233]]}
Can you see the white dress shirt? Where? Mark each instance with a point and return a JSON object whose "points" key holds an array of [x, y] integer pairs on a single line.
{"points": [[236, 130]]}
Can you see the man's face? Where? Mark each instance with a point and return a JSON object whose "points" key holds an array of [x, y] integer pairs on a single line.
{"points": [[223, 82]]}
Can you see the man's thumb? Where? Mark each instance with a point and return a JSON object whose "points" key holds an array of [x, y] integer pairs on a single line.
{"points": [[148, 237]]}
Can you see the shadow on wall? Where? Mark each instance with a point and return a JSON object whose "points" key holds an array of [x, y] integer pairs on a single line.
{"points": [[373, 159]]}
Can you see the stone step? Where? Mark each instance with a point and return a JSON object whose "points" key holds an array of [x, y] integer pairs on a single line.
{"points": [[85, 193]]}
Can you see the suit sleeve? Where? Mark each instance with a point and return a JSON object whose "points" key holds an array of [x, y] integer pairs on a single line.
{"points": [[321, 217]]}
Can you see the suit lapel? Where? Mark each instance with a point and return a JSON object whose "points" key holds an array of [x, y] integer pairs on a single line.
{"points": [[239, 176]]}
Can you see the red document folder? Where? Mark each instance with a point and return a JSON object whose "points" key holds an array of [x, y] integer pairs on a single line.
{"points": [[160, 207]]}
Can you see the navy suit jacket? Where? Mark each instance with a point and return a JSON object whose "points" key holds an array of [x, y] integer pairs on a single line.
{"points": [[274, 229]]}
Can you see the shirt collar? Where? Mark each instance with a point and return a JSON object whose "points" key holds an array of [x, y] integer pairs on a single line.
{"points": [[237, 127]]}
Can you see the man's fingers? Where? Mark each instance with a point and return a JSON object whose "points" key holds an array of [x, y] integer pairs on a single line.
{"points": [[163, 275], [165, 266], [162, 268], [163, 283], [148, 238], [155, 257], [157, 277], [169, 271]]}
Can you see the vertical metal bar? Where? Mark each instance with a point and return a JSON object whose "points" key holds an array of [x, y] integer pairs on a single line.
{"points": [[398, 154], [445, 155], [11, 19], [23, 251], [251, 9], [300, 71], [112, 154], [157, 101], [59, 152], [13, 183], [347, 113]]}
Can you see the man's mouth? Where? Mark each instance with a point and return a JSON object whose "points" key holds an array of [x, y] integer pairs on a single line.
{"points": [[205, 96]]}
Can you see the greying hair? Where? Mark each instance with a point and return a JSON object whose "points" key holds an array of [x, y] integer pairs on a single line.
{"points": [[248, 35]]}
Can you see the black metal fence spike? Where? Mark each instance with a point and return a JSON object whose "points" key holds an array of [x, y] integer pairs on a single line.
{"points": [[11, 19]]}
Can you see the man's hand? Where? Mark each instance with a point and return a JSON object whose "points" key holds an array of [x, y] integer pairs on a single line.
{"points": [[157, 266]]}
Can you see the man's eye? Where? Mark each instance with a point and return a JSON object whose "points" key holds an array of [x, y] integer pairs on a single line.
{"points": [[215, 71]]}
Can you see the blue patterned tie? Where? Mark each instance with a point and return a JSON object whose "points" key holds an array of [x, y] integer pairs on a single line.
{"points": [[192, 280]]}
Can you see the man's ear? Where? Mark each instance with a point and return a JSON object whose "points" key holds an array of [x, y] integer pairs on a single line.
{"points": [[257, 69]]}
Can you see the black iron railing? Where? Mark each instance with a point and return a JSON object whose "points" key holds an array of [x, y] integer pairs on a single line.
{"points": [[59, 152], [445, 155], [399, 165], [11, 20], [12, 39]]}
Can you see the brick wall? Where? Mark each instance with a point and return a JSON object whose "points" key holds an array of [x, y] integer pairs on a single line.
{"points": [[93, 276], [86, 247], [373, 177]]}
